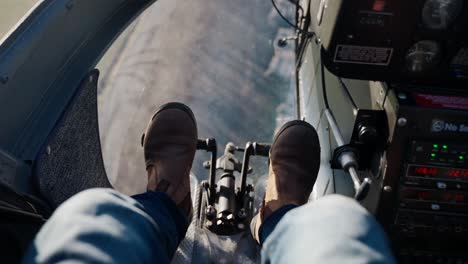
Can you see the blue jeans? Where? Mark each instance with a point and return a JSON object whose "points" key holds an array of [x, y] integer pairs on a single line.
{"points": [[104, 226]]}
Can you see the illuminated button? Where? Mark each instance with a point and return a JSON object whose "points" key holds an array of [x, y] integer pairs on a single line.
{"points": [[435, 146], [441, 185], [445, 147], [433, 155], [379, 5], [461, 157]]}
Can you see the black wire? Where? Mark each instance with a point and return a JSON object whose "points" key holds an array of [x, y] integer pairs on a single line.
{"points": [[287, 20], [350, 97], [12, 212], [296, 3], [342, 84], [324, 88], [302, 49], [298, 95], [304, 41]]}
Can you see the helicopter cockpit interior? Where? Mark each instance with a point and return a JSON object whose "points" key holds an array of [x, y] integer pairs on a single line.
{"points": [[385, 83], [410, 141]]}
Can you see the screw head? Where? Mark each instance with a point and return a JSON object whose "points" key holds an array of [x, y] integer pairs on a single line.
{"points": [[402, 121], [242, 214], [387, 189], [207, 164], [241, 226], [283, 42], [210, 212], [441, 185]]}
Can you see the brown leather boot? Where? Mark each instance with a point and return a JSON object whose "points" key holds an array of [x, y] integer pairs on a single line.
{"points": [[294, 166], [169, 144]]}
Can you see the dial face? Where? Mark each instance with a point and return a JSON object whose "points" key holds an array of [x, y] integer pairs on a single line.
{"points": [[423, 56], [440, 14]]}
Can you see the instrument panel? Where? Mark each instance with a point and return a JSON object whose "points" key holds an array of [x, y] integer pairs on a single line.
{"points": [[436, 177], [417, 41], [422, 199], [432, 201]]}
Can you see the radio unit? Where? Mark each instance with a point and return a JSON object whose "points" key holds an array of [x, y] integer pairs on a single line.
{"points": [[423, 204], [436, 177], [416, 41]]}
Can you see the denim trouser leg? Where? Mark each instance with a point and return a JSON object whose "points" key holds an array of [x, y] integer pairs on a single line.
{"points": [[333, 229], [104, 226]]}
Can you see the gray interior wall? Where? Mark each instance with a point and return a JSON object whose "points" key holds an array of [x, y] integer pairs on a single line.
{"points": [[70, 160], [43, 61], [312, 106]]}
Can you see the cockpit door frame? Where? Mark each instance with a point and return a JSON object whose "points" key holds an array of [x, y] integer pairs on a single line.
{"points": [[43, 60]]}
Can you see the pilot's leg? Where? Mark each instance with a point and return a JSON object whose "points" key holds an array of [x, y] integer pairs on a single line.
{"points": [[103, 226], [331, 230]]}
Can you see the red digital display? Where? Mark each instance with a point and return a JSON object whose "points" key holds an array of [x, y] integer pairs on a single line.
{"points": [[433, 196], [437, 172]]}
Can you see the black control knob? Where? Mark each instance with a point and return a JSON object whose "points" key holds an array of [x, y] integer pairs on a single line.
{"points": [[367, 134]]}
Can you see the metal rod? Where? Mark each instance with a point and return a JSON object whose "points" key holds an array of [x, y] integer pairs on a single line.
{"points": [[210, 145], [245, 167], [354, 176], [213, 148], [348, 95], [334, 128], [361, 188]]}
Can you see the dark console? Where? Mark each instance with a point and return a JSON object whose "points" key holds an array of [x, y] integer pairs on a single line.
{"points": [[424, 200], [418, 50], [418, 41]]}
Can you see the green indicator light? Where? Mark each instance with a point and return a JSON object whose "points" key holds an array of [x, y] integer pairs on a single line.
{"points": [[435, 146], [461, 157], [433, 155], [445, 146]]}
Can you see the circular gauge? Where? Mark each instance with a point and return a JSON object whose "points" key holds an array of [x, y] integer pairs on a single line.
{"points": [[440, 14], [423, 56]]}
